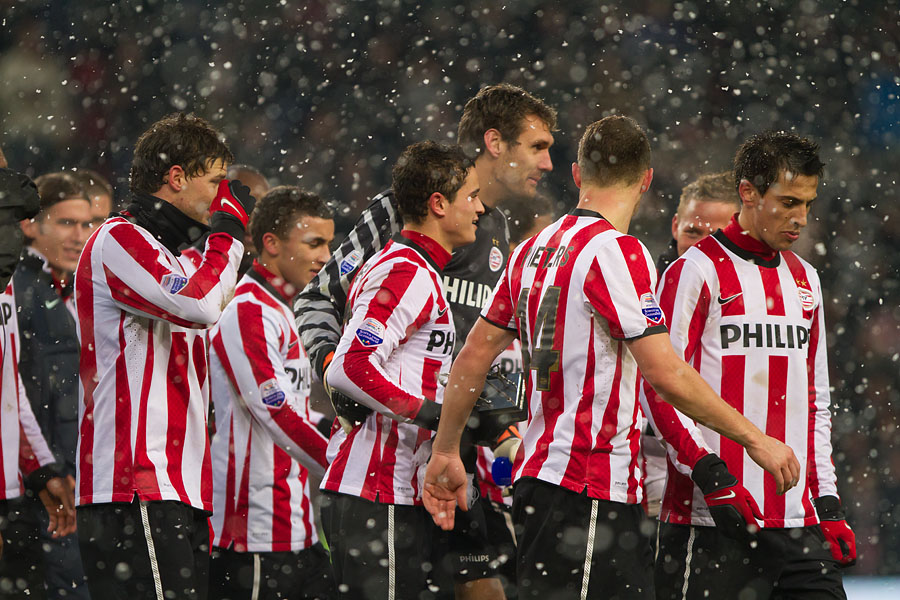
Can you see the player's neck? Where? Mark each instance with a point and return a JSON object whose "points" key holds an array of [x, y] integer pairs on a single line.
{"points": [[616, 204], [431, 229]]}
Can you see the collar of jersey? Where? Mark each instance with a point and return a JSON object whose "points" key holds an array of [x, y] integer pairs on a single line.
{"points": [[430, 250], [735, 239], [584, 212], [171, 227], [272, 283]]}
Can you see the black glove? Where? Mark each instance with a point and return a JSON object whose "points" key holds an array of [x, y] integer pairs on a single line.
{"points": [[231, 209], [348, 408], [730, 504], [19, 193]]}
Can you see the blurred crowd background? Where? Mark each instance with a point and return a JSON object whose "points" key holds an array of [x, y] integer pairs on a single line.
{"points": [[325, 94]]}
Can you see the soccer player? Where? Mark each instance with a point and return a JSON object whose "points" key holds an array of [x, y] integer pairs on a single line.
{"points": [[580, 297], [398, 340], [510, 131], [266, 446], [747, 313], [48, 361], [99, 192], [705, 206], [144, 484]]}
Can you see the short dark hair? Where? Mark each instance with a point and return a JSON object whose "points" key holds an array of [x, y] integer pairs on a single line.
{"points": [[53, 188], [502, 107], [93, 183], [423, 169], [281, 208], [177, 139], [613, 150], [764, 156], [712, 187]]}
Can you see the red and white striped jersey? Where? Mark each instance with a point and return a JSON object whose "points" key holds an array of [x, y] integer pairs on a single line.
{"points": [[576, 292], [754, 329], [260, 381], [144, 391], [399, 338], [22, 445]]}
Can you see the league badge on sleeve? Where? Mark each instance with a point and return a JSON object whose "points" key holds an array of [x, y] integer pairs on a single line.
{"points": [[173, 282], [651, 308], [370, 333], [350, 262], [271, 394]]}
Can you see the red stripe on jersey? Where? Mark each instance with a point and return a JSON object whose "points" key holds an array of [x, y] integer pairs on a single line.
{"points": [[801, 278], [253, 338], [388, 462], [176, 381], [812, 469], [372, 482], [226, 538], [635, 483], [732, 387], [336, 469], [772, 289], [775, 427], [678, 499], [242, 507], [281, 500], [301, 431], [729, 283], [599, 460], [28, 462], [597, 291], [87, 367], [583, 422], [430, 370], [306, 507], [125, 468]]}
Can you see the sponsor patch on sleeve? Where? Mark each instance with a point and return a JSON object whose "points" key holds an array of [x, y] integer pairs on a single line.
{"points": [[173, 282], [271, 394], [350, 262], [651, 308], [370, 333]]}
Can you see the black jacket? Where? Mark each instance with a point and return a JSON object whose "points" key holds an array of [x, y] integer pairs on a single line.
{"points": [[48, 360]]}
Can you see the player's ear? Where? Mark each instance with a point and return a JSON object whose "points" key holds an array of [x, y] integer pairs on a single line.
{"points": [[576, 174], [493, 142], [748, 193], [30, 226], [437, 204], [271, 244], [175, 178], [675, 226], [648, 178]]}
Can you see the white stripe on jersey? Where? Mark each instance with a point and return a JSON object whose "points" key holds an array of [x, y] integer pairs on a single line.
{"points": [[22, 445], [260, 381], [584, 427], [144, 395], [399, 338], [756, 334]]}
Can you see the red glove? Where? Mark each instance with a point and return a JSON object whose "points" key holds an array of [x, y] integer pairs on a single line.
{"points": [[841, 539], [233, 198], [730, 504]]}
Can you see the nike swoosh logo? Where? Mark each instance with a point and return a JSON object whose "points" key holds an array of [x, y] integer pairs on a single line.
{"points": [[729, 298], [727, 496], [227, 202], [52, 303], [442, 312]]}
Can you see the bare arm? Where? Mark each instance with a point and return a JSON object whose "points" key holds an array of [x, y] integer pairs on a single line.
{"points": [[682, 387]]}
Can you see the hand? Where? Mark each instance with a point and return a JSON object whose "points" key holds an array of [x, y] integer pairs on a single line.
{"points": [[233, 198], [778, 459], [841, 539], [59, 501], [730, 504], [445, 487]]}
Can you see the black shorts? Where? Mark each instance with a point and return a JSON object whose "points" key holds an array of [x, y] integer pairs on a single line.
{"points": [[22, 564], [467, 552], [573, 546], [304, 574], [378, 551], [157, 550], [698, 562], [500, 532]]}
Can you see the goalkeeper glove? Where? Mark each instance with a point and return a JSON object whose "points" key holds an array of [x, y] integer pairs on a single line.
{"points": [[231, 209], [730, 504], [841, 539]]}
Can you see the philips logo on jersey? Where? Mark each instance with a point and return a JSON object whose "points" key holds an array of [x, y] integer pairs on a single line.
{"points": [[651, 308], [764, 335], [370, 333], [441, 340], [467, 293], [350, 262], [271, 394], [173, 282]]}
